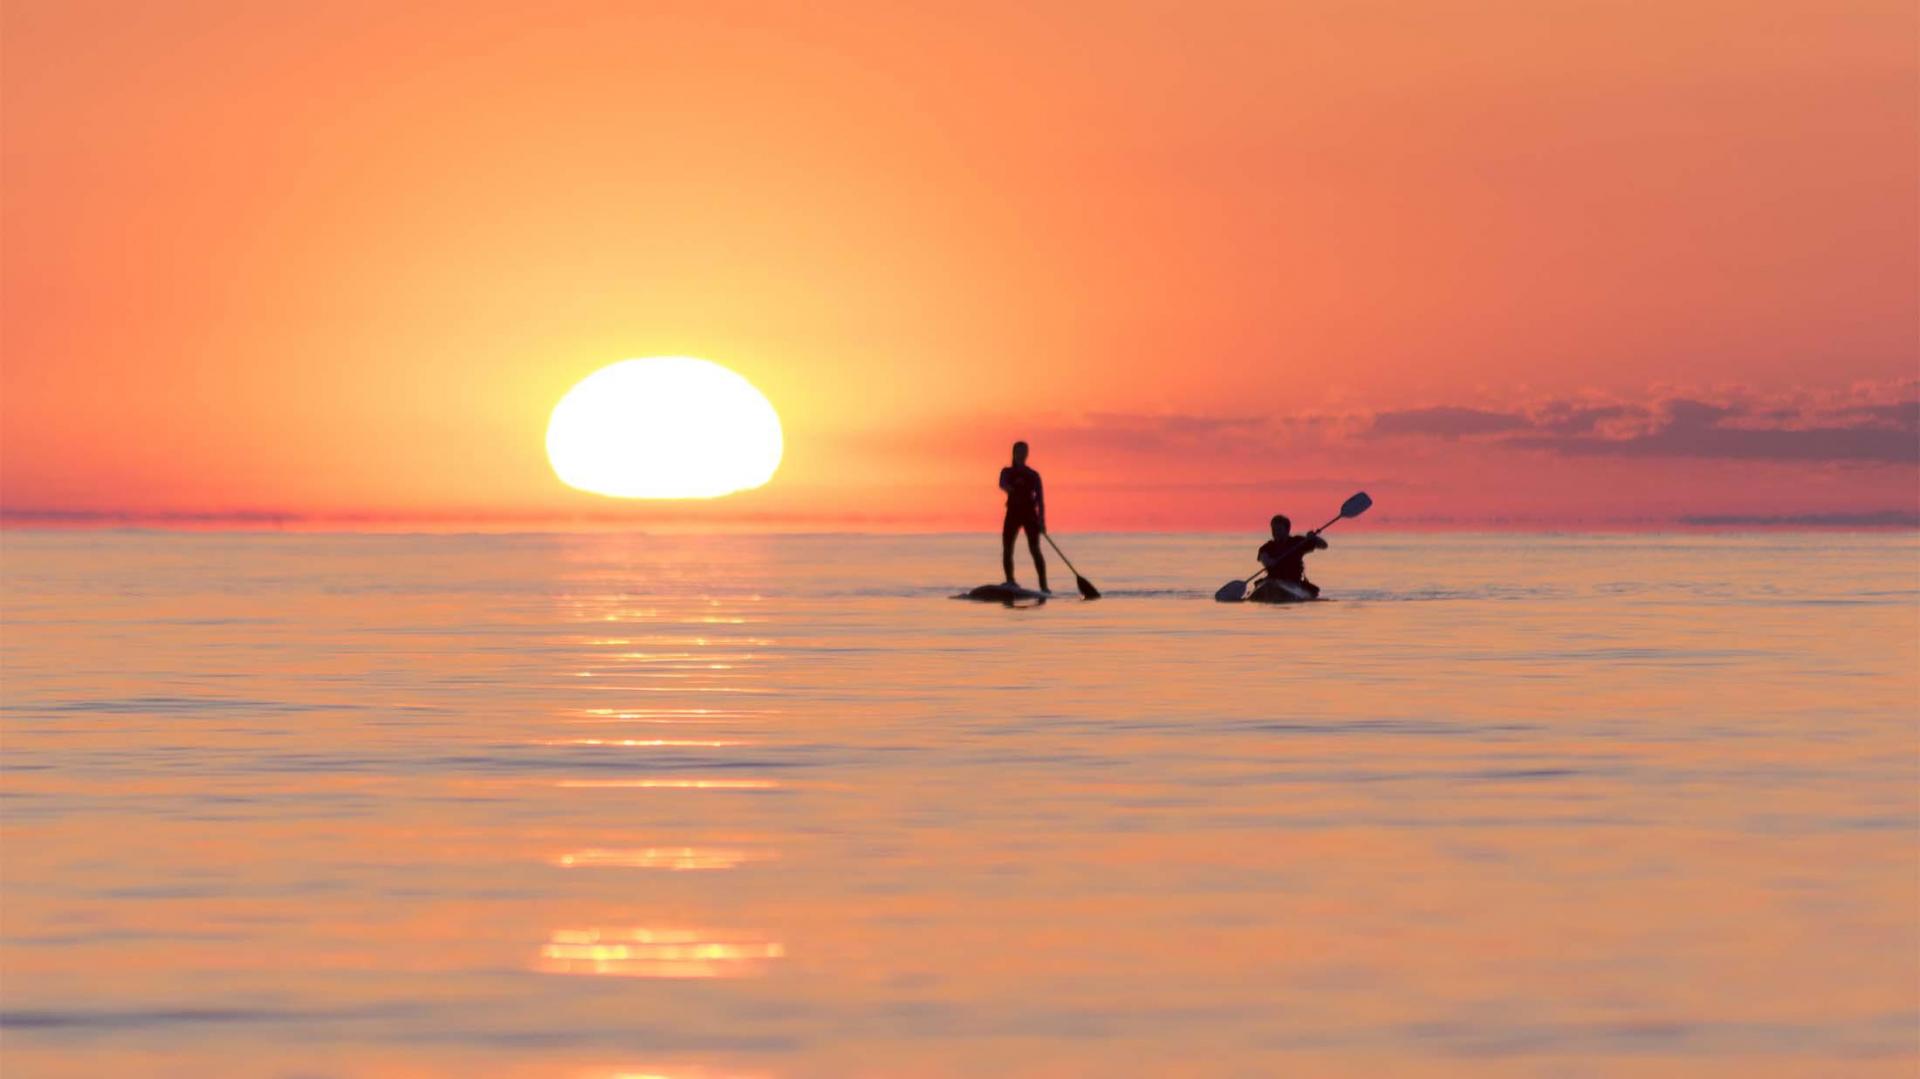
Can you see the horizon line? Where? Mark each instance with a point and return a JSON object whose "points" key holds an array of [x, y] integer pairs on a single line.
{"points": [[371, 523]]}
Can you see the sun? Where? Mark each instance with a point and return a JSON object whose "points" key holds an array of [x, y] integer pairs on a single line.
{"points": [[664, 427]]}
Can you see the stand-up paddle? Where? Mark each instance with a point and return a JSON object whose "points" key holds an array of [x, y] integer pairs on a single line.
{"points": [[1235, 591], [1086, 586]]}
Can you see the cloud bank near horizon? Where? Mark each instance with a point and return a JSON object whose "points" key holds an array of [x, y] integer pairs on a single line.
{"points": [[1879, 425], [1672, 454], [1681, 457]]}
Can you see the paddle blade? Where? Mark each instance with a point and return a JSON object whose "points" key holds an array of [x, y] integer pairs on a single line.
{"points": [[1086, 587], [1355, 506], [1232, 592]]}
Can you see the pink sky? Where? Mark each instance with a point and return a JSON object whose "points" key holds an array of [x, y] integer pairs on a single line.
{"points": [[1534, 264]]}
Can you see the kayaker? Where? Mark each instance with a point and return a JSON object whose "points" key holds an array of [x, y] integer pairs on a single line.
{"points": [[1285, 554], [1026, 508]]}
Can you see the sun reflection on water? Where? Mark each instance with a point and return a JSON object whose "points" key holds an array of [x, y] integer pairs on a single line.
{"points": [[676, 1073], [628, 687], [672, 858], [702, 743], [676, 784], [668, 715], [659, 953], [659, 655]]}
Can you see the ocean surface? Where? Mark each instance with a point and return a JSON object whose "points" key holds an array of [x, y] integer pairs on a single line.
{"points": [[621, 805]]}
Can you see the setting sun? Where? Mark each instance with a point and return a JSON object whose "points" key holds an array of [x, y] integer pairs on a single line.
{"points": [[665, 427]]}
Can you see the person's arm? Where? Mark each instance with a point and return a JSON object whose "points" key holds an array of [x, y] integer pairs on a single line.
{"points": [[1272, 554], [1003, 478], [1039, 503]]}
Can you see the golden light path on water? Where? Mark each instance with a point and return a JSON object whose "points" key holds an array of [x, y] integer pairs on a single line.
{"points": [[644, 743], [659, 953], [601, 805], [676, 858], [675, 784], [699, 669]]}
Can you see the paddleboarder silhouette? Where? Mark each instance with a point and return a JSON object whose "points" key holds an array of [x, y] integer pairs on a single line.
{"points": [[1026, 509]]}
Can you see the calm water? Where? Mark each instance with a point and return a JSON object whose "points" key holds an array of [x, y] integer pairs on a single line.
{"points": [[608, 805]]}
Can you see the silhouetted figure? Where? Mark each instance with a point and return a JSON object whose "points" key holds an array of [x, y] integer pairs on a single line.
{"points": [[1285, 556], [1026, 508]]}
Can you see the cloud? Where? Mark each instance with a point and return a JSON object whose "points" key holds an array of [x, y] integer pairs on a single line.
{"points": [[1782, 429], [1689, 428], [1446, 421], [134, 518], [1872, 424], [1905, 415], [1566, 418]]}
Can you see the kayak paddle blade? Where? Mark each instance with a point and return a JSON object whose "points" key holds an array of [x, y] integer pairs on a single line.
{"points": [[1355, 506], [1232, 592], [1086, 587]]}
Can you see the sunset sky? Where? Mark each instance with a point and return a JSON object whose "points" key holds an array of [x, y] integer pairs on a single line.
{"points": [[1537, 263]]}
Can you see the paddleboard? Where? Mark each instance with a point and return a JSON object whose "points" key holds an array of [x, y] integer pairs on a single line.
{"points": [[1281, 592], [1005, 593]]}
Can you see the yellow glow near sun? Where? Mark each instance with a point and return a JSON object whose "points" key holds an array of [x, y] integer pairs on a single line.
{"points": [[665, 427]]}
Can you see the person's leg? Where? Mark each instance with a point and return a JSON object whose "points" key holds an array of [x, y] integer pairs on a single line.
{"points": [[1007, 530], [1033, 546]]}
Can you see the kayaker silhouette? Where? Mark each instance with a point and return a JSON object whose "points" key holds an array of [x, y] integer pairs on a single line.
{"points": [[1285, 555], [1026, 508]]}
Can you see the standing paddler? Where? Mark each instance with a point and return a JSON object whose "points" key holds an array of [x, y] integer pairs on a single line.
{"points": [[1026, 508]]}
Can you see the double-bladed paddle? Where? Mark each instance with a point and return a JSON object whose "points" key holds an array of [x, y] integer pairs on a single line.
{"points": [[1235, 591], [1086, 587]]}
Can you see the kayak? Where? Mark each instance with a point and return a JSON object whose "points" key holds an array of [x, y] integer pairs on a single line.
{"points": [[1005, 593], [1282, 592]]}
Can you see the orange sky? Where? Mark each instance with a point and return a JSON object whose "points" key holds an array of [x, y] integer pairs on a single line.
{"points": [[1523, 263]]}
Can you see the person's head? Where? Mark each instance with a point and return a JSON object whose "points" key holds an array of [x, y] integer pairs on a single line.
{"points": [[1282, 527], [1019, 453]]}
